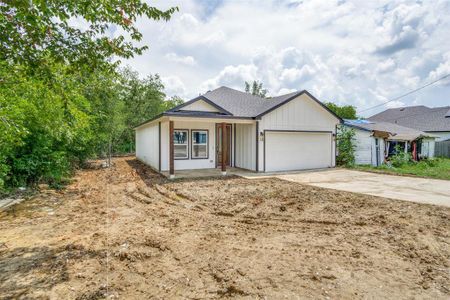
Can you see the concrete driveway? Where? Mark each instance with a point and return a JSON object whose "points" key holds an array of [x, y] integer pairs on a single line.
{"points": [[431, 191]]}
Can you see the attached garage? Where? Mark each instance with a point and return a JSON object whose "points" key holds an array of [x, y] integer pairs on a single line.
{"points": [[290, 132], [297, 150]]}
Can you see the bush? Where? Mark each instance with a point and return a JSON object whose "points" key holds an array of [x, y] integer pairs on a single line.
{"points": [[345, 146], [400, 158]]}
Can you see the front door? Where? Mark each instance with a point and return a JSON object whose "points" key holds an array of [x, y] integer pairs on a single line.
{"points": [[219, 144]]}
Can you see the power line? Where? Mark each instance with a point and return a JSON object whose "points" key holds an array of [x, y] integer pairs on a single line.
{"points": [[404, 95]]}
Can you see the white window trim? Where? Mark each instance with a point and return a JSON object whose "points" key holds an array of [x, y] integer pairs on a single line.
{"points": [[186, 144], [206, 144]]}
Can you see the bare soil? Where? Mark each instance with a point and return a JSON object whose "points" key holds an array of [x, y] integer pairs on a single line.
{"points": [[126, 232]]}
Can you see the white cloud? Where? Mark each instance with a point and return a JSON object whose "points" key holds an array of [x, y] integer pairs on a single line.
{"points": [[231, 76], [352, 52], [395, 104], [187, 60], [174, 86], [442, 70]]}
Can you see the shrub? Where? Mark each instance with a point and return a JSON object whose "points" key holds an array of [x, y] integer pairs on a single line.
{"points": [[400, 158], [345, 146]]}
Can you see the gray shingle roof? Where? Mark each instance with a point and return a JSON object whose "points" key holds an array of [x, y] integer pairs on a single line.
{"points": [[418, 117], [244, 104], [396, 131], [231, 103]]}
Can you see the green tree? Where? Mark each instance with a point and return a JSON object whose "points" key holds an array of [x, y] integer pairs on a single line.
{"points": [[172, 102], [144, 99], [103, 90], [72, 31], [255, 88], [344, 111], [62, 99], [345, 142], [52, 125]]}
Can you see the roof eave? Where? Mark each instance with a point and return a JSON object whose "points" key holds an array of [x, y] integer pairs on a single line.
{"points": [[201, 97]]}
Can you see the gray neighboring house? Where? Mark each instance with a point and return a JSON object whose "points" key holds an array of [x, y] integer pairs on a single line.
{"points": [[376, 141], [434, 120]]}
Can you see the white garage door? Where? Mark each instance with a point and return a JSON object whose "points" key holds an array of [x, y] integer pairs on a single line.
{"points": [[287, 151]]}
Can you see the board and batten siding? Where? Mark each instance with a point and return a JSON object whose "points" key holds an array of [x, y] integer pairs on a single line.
{"points": [[200, 105], [302, 114], [147, 145], [245, 146]]}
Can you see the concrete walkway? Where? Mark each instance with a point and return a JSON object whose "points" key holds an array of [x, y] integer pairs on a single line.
{"points": [[422, 190]]}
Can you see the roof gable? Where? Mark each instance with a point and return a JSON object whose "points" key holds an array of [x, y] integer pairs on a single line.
{"points": [[238, 104], [200, 104]]}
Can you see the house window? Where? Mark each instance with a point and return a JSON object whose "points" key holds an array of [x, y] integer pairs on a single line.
{"points": [[181, 144], [199, 144]]}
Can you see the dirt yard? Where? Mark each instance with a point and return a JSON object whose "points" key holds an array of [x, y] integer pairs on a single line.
{"points": [[127, 233]]}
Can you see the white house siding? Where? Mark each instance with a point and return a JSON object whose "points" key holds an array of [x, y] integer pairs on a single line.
{"points": [[382, 147], [441, 136], [246, 146], [427, 149], [186, 164], [200, 105], [302, 113], [147, 141], [364, 147]]}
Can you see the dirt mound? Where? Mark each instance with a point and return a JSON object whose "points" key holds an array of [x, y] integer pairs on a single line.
{"points": [[127, 232]]}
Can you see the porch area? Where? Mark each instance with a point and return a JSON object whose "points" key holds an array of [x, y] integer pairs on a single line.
{"points": [[207, 147], [216, 172]]}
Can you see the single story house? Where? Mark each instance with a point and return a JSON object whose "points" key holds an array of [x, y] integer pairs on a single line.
{"points": [[229, 128], [435, 121], [376, 141]]}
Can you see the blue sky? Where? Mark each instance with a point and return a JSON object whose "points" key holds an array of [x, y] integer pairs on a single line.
{"points": [[350, 52]]}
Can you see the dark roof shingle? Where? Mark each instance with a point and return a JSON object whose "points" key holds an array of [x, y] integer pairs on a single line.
{"points": [[418, 117]]}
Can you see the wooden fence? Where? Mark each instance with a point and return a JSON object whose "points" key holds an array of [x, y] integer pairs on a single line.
{"points": [[442, 149]]}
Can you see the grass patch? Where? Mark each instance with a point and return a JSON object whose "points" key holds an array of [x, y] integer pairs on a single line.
{"points": [[438, 168]]}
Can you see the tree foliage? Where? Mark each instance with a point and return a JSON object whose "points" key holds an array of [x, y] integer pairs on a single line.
{"points": [[345, 142], [62, 99], [255, 88], [345, 111], [72, 31], [48, 127]]}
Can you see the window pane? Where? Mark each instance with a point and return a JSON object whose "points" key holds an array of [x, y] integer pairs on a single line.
{"points": [[199, 151], [199, 137], [180, 137], [181, 151]]}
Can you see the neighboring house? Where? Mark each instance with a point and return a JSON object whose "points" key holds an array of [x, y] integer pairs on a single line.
{"points": [[431, 120], [226, 127], [376, 141]]}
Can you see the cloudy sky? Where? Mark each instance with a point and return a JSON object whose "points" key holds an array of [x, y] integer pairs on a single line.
{"points": [[361, 53]]}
